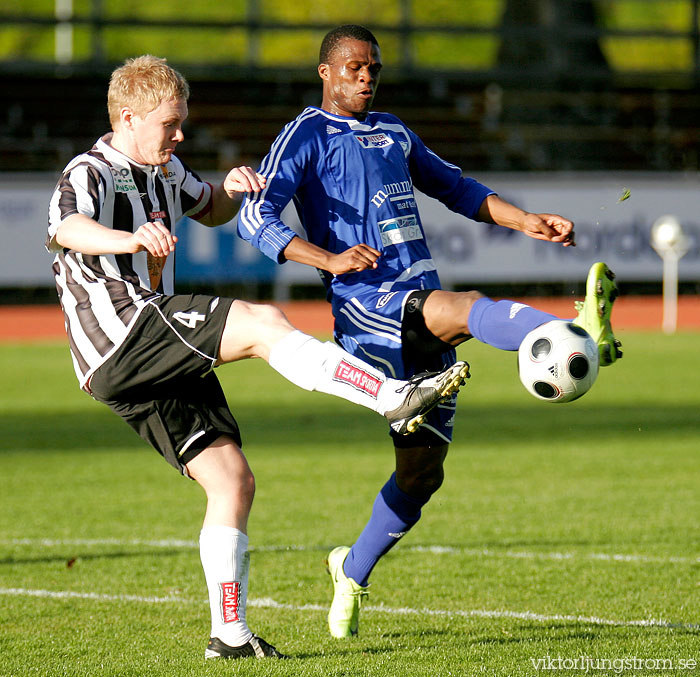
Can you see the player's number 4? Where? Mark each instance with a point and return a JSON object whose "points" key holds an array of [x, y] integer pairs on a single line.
{"points": [[189, 319]]}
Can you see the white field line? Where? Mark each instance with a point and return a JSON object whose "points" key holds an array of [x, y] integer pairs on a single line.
{"points": [[268, 603], [432, 549]]}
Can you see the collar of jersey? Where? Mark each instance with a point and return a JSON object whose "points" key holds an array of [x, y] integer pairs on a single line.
{"points": [[350, 121], [113, 154]]}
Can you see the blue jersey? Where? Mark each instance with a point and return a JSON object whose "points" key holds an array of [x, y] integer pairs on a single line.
{"points": [[353, 182]]}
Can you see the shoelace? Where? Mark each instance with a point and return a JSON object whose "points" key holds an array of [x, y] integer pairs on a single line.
{"points": [[417, 379], [360, 594]]}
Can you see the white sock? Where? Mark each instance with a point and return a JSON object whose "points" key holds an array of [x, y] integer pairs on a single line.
{"points": [[327, 368], [225, 560]]}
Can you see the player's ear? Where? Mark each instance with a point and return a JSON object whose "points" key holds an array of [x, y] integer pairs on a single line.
{"points": [[323, 71], [126, 116]]}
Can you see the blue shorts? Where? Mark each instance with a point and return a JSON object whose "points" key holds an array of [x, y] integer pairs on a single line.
{"points": [[370, 326]]}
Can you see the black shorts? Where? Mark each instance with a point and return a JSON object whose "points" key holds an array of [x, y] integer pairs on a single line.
{"points": [[160, 380]]}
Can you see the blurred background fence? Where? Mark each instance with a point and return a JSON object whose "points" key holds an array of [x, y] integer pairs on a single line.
{"points": [[513, 91]]}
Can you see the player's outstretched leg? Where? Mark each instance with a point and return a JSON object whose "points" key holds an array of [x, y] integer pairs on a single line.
{"points": [[327, 368], [595, 310], [423, 393], [344, 614]]}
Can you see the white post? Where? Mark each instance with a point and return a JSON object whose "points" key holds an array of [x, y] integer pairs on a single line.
{"points": [[63, 46], [670, 292], [671, 244]]}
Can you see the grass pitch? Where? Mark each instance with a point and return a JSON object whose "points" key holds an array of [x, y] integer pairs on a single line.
{"points": [[563, 533]]}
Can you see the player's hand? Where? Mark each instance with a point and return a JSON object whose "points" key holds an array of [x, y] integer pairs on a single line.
{"points": [[154, 238], [549, 227], [353, 260], [243, 180]]}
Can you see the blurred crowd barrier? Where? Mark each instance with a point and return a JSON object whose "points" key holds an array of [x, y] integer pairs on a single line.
{"points": [[613, 213]]}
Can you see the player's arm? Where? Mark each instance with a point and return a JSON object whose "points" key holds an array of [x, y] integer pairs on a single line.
{"points": [[78, 198], [292, 158], [468, 197], [292, 155], [444, 181], [357, 258], [549, 227], [225, 196], [83, 234]]}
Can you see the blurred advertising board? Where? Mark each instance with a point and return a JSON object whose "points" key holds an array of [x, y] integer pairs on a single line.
{"points": [[608, 228]]}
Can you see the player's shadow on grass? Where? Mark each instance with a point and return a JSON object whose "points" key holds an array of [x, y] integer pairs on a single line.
{"points": [[575, 421], [101, 429], [87, 430], [509, 544], [523, 632], [418, 638], [541, 422], [293, 425], [74, 558], [350, 649], [535, 632]]}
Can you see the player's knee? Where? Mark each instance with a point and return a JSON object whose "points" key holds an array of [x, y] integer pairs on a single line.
{"points": [[270, 321], [446, 314], [465, 302], [237, 485], [247, 487], [421, 483], [270, 315], [251, 329], [468, 298], [256, 313]]}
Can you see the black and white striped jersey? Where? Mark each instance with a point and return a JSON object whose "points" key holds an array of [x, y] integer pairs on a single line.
{"points": [[102, 296]]}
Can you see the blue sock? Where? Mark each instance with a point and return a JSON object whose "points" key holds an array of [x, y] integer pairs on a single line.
{"points": [[504, 324], [393, 514]]}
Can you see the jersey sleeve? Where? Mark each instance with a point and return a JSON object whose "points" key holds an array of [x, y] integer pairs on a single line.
{"points": [[195, 194], [259, 220], [80, 190], [444, 181]]}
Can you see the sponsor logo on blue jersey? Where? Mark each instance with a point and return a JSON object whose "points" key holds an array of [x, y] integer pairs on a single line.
{"points": [[399, 192], [400, 229], [379, 140]]}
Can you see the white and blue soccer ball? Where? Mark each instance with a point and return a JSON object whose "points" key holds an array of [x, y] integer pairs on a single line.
{"points": [[558, 361]]}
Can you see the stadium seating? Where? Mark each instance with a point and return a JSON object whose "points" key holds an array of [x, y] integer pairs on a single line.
{"points": [[476, 125]]}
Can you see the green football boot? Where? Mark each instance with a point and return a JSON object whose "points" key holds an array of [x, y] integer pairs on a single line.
{"points": [[594, 312], [344, 614]]}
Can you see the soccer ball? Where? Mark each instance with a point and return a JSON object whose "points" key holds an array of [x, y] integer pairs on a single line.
{"points": [[558, 361]]}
